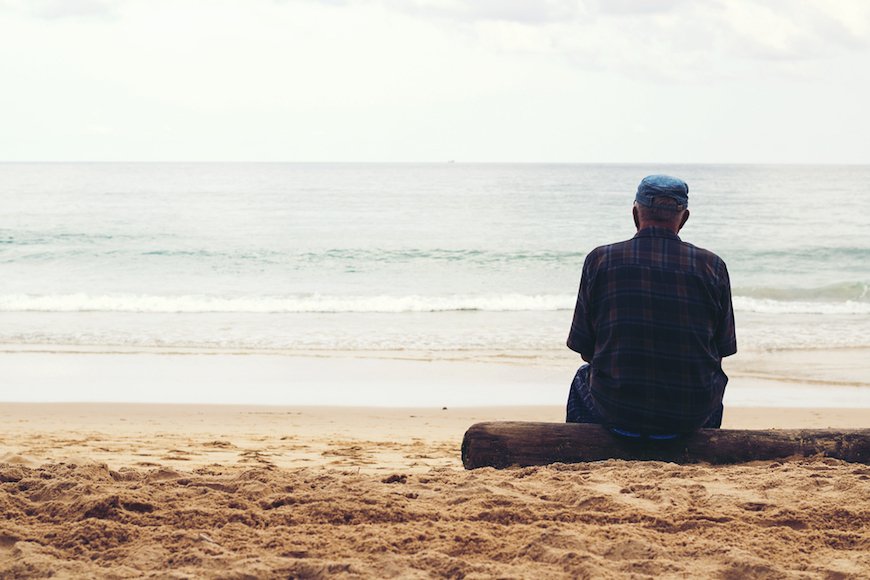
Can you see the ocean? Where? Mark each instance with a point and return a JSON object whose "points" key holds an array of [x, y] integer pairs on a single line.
{"points": [[451, 257]]}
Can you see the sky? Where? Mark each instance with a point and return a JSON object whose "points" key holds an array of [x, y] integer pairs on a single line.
{"points": [[616, 81]]}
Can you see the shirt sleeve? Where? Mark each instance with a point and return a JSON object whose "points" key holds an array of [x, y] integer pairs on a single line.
{"points": [[726, 337], [581, 338]]}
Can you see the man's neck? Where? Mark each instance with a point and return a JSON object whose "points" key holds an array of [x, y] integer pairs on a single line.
{"points": [[674, 229]]}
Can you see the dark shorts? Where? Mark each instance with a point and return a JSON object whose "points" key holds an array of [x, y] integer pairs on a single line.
{"points": [[581, 408]]}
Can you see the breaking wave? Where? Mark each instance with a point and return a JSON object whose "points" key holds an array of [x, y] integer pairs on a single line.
{"points": [[361, 304], [769, 306], [281, 304], [842, 292]]}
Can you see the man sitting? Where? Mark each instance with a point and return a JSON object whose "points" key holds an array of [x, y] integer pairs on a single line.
{"points": [[653, 319]]}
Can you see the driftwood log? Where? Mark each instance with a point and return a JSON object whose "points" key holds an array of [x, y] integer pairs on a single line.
{"points": [[512, 443]]}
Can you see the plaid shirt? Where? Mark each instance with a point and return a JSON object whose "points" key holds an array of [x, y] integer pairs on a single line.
{"points": [[654, 319]]}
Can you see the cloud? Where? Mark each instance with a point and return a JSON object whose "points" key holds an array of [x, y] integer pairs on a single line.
{"points": [[528, 11], [794, 31], [523, 11], [673, 39], [634, 6], [417, 79], [61, 9]]}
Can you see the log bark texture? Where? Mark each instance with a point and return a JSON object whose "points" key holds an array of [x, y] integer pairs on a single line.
{"points": [[503, 444]]}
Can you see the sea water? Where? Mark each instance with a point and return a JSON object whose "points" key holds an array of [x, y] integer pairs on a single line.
{"points": [[408, 257]]}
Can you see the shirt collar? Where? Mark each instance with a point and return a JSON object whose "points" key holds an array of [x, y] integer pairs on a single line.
{"points": [[656, 232]]}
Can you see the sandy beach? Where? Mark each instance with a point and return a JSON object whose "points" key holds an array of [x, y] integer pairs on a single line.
{"points": [[265, 263], [207, 491]]}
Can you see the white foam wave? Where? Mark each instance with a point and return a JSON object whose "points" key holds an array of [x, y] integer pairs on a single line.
{"points": [[833, 293], [770, 306], [281, 304], [385, 304]]}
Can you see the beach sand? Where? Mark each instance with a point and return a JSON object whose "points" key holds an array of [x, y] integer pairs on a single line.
{"points": [[193, 491]]}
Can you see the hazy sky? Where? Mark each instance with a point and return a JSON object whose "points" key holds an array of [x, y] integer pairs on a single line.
{"points": [[431, 80]]}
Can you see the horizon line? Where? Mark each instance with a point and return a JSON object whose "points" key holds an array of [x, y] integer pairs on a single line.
{"points": [[445, 162]]}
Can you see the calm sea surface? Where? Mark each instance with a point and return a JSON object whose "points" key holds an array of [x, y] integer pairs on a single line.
{"points": [[384, 257]]}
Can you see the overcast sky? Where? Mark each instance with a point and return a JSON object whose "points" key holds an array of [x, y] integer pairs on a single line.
{"points": [[758, 81]]}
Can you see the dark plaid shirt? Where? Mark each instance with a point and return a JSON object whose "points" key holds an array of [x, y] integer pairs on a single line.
{"points": [[654, 319]]}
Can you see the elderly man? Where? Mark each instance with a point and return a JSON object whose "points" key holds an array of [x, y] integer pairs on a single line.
{"points": [[653, 320]]}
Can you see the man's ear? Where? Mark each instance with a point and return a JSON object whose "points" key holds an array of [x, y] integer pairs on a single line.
{"points": [[684, 220], [634, 215]]}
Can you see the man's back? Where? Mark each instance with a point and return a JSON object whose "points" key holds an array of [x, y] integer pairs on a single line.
{"points": [[654, 318]]}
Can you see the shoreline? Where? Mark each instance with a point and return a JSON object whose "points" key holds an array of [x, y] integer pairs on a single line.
{"points": [[472, 378]]}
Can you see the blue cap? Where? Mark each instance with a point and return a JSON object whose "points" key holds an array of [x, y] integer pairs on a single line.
{"points": [[653, 186]]}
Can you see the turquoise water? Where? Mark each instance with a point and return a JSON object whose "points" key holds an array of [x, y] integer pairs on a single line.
{"points": [[371, 256]]}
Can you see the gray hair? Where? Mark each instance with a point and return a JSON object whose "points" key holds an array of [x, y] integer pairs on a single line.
{"points": [[664, 210]]}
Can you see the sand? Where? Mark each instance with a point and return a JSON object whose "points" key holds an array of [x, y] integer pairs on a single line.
{"points": [[180, 491]]}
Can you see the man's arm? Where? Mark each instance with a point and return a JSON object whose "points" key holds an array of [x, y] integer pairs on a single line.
{"points": [[726, 337], [581, 338]]}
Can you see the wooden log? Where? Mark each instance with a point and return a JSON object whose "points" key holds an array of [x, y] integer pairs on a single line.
{"points": [[503, 444]]}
